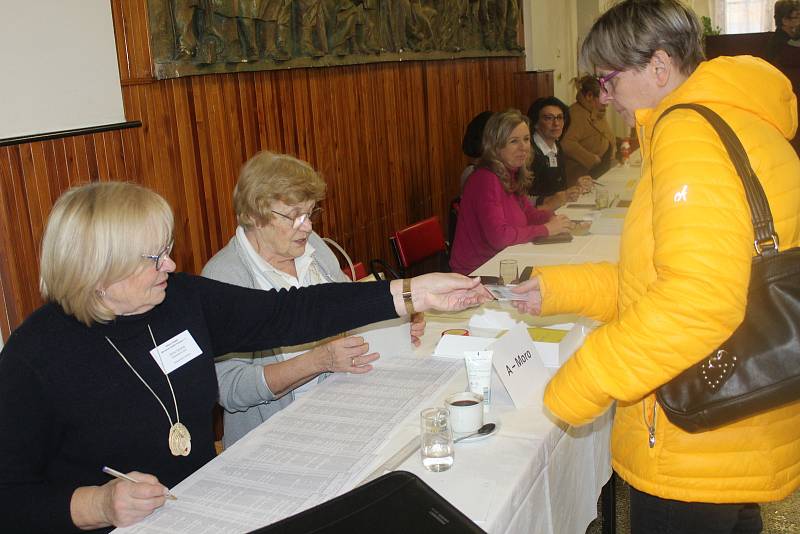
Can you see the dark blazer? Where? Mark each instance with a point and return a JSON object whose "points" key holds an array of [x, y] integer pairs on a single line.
{"points": [[547, 180]]}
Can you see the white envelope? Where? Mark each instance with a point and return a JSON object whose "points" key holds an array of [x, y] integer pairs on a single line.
{"points": [[389, 338], [492, 319], [454, 346]]}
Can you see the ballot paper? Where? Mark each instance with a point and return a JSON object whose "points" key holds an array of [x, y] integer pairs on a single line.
{"points": [[505, 293], [317, 448]]}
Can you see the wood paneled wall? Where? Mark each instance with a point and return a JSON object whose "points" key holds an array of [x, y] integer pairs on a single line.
{"points": [[386, 137]]}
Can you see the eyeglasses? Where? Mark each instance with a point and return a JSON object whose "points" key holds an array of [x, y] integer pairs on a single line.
{"points": [[313, 216], [159, 258], [553, 118], [603, 80]]}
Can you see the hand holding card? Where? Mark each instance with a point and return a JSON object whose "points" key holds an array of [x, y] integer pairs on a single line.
{"points": [[532, 303], [504, 292]]}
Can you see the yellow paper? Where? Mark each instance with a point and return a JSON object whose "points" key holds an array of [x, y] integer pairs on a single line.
{"points": [[546, 335]]}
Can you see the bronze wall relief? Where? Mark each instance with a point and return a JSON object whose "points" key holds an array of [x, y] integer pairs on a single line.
{"points": [[210, 36]]}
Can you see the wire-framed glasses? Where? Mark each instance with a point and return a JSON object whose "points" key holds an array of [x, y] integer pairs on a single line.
{"points": [[158, 259], [297, 221], [552, 118]]}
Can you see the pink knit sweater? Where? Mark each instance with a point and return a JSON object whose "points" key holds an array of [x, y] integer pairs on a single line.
{"points": [[490, 220]]}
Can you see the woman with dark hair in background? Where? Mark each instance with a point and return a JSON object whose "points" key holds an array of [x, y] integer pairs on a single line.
{"points": [[550, 189], [787, 27], [471, 144]]}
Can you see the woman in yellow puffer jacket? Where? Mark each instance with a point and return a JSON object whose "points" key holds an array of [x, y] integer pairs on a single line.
{"points": [[679, 289]]}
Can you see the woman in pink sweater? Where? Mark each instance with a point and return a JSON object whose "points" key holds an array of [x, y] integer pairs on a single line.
{"points": [[495, 212]]}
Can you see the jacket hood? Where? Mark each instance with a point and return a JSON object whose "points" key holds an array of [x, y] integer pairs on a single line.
{"points": [[744, 82]]}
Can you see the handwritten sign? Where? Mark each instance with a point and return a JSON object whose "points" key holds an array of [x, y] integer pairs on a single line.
{"points": [[519, 367]]}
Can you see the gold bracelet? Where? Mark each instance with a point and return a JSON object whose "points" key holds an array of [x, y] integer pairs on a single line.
{"points": [[407, 296]]}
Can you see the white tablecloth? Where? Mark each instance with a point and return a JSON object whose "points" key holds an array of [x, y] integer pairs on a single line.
{"points": [[535, 475]]}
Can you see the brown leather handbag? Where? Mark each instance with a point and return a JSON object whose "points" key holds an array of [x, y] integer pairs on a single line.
{"points": [[758, 367]]}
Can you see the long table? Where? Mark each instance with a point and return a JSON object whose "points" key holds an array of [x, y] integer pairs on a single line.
{"points": [[535, 474], [602, 243]]}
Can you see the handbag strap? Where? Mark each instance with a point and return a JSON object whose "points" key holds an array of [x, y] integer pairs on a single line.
{"points": [[766, 239]]}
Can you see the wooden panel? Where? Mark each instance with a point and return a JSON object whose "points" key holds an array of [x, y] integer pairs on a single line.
{"points": [[386, 137], [530, 85]]}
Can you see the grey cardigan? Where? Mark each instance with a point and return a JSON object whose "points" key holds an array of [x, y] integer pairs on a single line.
{"points": [[243, 393]]}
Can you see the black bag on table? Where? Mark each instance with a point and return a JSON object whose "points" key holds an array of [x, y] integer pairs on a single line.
{"points": [[396, 503], [758, 367]]}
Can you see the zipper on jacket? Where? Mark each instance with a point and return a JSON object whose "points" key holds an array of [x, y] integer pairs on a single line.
{"points": [[651, 425]]}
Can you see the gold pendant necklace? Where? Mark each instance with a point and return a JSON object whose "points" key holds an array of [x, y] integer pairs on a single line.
{"points": [[179, 439]]}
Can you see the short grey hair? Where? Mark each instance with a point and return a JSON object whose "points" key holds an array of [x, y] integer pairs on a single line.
{"points": [[627, 35], [95, 236]]}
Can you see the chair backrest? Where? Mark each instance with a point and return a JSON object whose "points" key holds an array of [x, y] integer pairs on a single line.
{"points": [[455, 206], [359, 269], [418, 242]]}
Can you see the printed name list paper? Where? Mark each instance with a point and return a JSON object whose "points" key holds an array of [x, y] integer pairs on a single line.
{"points": [[519, 367], [318, 447]]}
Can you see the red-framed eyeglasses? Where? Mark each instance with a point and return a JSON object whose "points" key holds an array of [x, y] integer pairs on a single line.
{"points": [[603, 80]]}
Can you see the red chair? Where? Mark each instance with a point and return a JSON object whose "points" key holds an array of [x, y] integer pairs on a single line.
{"points": [[413, 245], [455, 207], [360, 271]]}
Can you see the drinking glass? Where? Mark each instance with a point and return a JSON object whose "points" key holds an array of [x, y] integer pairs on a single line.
{"points": [[601, 198], [436, 439], [509, 272]]}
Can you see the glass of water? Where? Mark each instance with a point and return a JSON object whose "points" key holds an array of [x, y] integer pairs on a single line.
{"points": [[509, 272], [436, 439], [601, 198]]}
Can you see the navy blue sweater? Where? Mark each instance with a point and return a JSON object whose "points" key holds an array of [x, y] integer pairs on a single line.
{"points": [[69, 405]]}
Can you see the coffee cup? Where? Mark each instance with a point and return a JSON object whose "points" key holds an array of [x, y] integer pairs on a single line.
{"points": [[466, 411]]}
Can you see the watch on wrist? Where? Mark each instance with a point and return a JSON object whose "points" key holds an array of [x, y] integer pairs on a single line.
{"points": [[407, 296]]}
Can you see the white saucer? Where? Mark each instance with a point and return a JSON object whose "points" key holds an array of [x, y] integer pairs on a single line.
{"points": [[477, 437]]}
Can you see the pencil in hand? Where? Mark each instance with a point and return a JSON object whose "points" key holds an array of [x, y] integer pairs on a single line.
{"points": [[116, 474]]}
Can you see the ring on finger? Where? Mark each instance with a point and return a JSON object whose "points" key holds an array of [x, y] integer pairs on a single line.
{"points": [[352, 362]]}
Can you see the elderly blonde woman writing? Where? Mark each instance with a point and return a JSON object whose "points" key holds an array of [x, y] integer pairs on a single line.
{"points": [[117, 369], [275, 247]]}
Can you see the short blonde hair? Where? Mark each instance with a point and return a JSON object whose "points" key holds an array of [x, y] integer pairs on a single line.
{"points": [[495, 137], [95, 236], [268, 177]]}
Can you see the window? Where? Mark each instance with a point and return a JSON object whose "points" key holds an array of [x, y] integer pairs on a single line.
{"points": [[745, 16]]}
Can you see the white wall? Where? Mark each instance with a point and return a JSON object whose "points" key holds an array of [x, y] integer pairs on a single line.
{"points": [[554, 30], [551, 41], [59, 65]]}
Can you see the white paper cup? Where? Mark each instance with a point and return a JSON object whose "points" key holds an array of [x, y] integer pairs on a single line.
{"points": [[466, 411]]}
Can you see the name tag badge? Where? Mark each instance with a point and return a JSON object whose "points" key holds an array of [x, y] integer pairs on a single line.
{"points": [[176, 352]]}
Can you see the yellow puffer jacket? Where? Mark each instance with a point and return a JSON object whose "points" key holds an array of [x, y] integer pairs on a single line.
{"points": [[679, 290]]}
